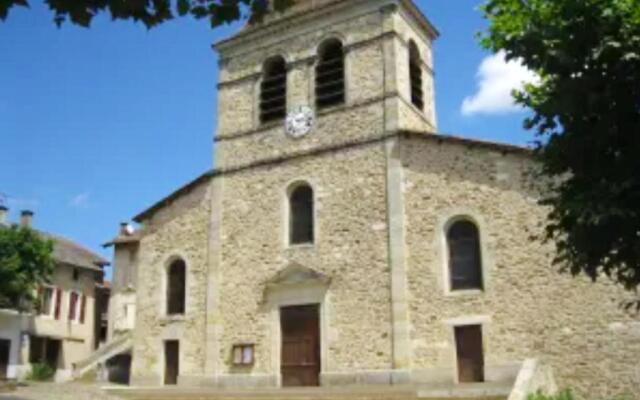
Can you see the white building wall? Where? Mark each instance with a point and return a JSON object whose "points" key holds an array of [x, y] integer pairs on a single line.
{"points": [[11, 324]]}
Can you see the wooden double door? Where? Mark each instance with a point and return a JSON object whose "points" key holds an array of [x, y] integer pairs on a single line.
{"points": [[300, 359]]}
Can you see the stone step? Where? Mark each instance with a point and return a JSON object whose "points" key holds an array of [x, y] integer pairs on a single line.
{"points": [[469, 392]]}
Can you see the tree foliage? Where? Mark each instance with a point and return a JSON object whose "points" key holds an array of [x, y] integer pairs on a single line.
{"points": [[26, 260], [586, 117], [153, 12]]}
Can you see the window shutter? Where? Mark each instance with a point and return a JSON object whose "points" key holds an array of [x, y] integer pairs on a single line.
{"points": [[82, 306], [330, 85], [273, 90], [73, 302], [58, 302], [415, 76], [39, 299]]}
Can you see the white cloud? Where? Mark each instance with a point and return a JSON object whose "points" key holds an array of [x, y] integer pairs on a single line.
{"points": [[497, 78], [80, 201]]}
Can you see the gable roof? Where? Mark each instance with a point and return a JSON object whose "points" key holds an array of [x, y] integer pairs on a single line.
{"points": [[424, 135], [68, 252], [65, 251]]}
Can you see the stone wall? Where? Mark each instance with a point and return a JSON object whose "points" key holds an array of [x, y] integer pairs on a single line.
{"points": [[376, 68], [410, 117], [179, 230], [527, 308], [350, 248], [381, 212]]}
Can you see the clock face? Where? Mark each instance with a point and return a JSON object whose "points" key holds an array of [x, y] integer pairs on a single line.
{"points": [[299, 121]]}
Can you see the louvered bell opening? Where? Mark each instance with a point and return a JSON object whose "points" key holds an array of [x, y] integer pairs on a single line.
{"points": [[415, 76], [330, 76], [416, 85], [273, 91]]}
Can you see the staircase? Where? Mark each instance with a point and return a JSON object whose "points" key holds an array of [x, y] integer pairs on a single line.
{"points": [[121, 344]]}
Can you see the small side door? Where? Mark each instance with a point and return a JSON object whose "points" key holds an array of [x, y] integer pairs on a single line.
{"points": [[469, 353], [171, 362]]}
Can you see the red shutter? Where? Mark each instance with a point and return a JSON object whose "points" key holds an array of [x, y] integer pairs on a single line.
{"points": [[73, 300], [83, 303], [58, 302]]}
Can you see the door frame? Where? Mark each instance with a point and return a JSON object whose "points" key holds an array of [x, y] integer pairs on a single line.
{"points": [[483, 321], [297, 296]]}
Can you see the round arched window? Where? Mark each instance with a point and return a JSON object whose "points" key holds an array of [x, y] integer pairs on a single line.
{"points": [[465, 261], [176, 287]]}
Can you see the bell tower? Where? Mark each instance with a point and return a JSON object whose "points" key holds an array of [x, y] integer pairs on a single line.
{"points": [[324, 74]]}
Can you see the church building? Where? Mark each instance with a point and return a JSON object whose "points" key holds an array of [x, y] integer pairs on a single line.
{"points": [[341, 240]]}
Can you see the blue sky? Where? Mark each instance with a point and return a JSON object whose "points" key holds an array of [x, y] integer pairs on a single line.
{"points": [[97, 124]]}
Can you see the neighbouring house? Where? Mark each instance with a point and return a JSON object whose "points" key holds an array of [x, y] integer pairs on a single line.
{"points": [[341, 240], [63, 329], [117, 302]]}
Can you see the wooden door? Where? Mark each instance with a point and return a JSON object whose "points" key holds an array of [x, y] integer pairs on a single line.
{"points": [[171, 362], [469, 353], [5, 349], [300, 328]]}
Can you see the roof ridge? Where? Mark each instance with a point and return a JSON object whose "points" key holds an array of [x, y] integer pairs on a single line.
{"points": [[424, 134]]}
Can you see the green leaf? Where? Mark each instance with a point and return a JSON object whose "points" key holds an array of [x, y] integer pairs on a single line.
{"points": [[586, 115], [183, 7]]}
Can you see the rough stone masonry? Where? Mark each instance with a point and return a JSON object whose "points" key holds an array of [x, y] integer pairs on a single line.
{"points": [[386, 190]]}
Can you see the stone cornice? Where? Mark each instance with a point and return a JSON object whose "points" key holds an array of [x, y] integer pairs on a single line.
{"points": [[322, 113], [283, 22], [273, 125]]}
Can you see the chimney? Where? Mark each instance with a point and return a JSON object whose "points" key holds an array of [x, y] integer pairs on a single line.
{"points": [[4, 210], [26, 218], [125, 229]]}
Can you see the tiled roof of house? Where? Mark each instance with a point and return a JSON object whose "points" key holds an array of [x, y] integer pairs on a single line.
{"points": [[68, 252], [71, 253], [123, 239]]}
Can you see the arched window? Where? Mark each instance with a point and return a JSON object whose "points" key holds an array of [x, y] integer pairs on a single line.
{"points": [[415, 75], [465, 262], [176, 287], [273, 90], [301, 215], [330, 74]]}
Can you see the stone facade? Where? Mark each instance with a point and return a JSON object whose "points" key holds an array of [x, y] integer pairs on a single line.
{"points": [[180, 230], [527, 308], [77, 338], [385, 190]]}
